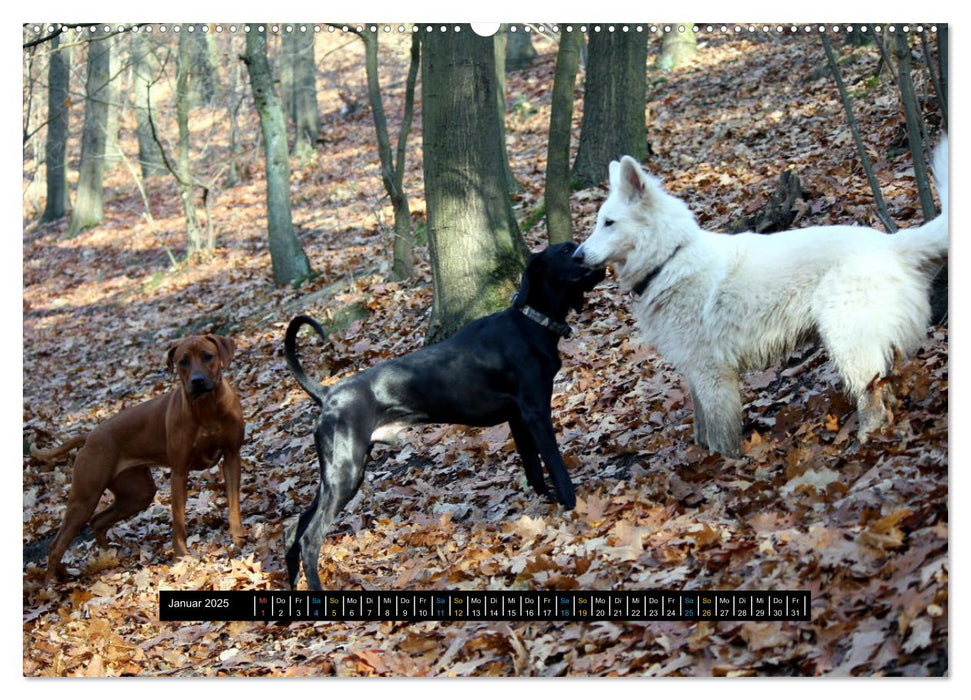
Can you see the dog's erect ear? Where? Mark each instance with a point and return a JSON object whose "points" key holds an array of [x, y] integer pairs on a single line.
{"points": [[226, 346], [631, 179], [613, 171]]}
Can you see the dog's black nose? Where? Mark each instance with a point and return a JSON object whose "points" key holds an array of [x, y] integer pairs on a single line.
{"points": [[578, 254], [198, 381]]}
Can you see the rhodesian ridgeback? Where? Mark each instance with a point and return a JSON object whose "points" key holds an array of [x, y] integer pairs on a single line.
{"points": [[187, 429]]}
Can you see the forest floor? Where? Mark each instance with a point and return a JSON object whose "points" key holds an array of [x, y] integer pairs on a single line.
{"points": [[864, 528]]}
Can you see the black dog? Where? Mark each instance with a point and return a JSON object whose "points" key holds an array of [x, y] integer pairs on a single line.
{"points": [[497, 369]]}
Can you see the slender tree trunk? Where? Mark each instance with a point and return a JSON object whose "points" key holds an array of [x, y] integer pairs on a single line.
{"points": [[499, 51], [882, 213], [392, 173], [58, 79], [678, 47], [518, 51], [182, 98], [561, 125], [614, 100], [112, 149], [202, 64], [942, 63], [304, 90], [88, 206], [232, 109], [144, 72], [476, 251], [403, 265], [915, 126], [290, 263]]}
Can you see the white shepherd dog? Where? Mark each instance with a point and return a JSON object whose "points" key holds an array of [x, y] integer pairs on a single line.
{"points": [[715, 305]]}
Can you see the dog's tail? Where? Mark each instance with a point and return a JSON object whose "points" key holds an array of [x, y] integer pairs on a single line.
{"points": [[929, 243], [315, 389], [49, 456]]}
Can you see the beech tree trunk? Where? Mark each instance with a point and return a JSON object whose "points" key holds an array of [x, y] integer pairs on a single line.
{"points": [[392, 171], [614, 100], [195, 243], [89, 205], [144, 70], [678, 47], [557, 197], [290, 263], [58, 78], [476, 250], [304, 90]]}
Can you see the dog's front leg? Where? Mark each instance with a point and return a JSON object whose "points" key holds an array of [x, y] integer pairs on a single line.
{"points": [[529, 453], [540, 427], [231, 471], [180, 473], [718, 403]]}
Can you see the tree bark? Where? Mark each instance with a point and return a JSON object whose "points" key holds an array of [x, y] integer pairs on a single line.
{"points": [[304, 90], [476, 251], [113, 96], [614, 100], [519, 52], [678, 47], [89, 205], [915, 125], [195, 244], [392, 171], [202, 64], [290, 263], [557, 195], [499, 51], [58, 79], [144, 72], [882, 213]]}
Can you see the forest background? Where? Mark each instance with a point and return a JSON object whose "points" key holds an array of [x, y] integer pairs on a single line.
{"points": [[665, 503]]}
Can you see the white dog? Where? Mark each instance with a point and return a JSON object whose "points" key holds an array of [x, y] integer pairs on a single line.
{"points": [[715, 305]]}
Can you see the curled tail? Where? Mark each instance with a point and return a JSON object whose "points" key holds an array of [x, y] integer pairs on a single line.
{"points": [[929, 243], [52, 454], [314, 388]]}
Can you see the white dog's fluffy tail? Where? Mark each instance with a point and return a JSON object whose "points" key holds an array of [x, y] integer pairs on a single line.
{"points": [[929, 242]]}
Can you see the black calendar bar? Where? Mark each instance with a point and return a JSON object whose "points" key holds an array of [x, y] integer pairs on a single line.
{"points": [[417, 606]]}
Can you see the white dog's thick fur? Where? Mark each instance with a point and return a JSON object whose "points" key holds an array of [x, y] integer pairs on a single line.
{"points": [[714, 305]]}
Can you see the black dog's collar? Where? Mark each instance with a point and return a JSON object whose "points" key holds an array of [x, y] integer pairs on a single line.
{"points": [[639, 288], [561, 329]]}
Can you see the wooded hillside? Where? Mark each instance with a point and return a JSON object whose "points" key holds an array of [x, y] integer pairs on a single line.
{"points": [[864, 528]]}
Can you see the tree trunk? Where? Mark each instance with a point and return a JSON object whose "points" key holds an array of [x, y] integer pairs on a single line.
{"points": [[58, 79], [476, 251], [392, 173], [144, 72], [942, 63], [88, 207], [112, 149], [304, 68], [232, 109], [678, 47], [499, 51], [614, 101], [558, 150], [290, 263], [403, 264], [183, 68], [915, 126], [519, 51], [202, 64]]}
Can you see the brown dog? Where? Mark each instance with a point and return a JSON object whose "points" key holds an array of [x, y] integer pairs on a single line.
{"points": [[187, 429]]}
